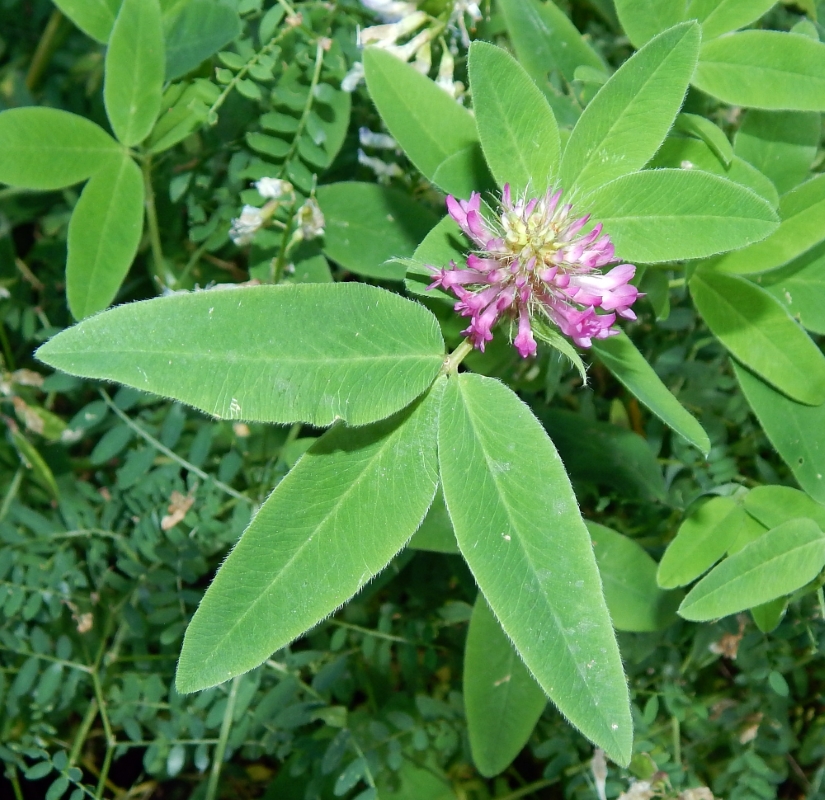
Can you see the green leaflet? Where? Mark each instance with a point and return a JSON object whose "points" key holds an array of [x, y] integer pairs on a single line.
{"points": [[134, 71], [682, 153], [627, 364], [545, 40], [755, 327], [94, 17], [713, 136], [628, 119], [605, 455], [800, 287], [764, 69], [796, 431], [436, 531], [628, 574], [518, 131], [773, 505], [298, 561], [722, 16], [644, 19], [777, 563], [702, 539], [307, 352], [502, 700], [768, 615], [519, 528], [44, 148], [802, 225], [780, 144], [196, 30], [443, 244], [367, 224], [104, 233], [674, 214], [425, 121]]}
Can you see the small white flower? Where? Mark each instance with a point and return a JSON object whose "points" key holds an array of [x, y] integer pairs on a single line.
{"points": [[310, 219], [386, 35], [390, 10], [353, 77], [246, 226], [273, 188], [380, 141], [382, 169]]}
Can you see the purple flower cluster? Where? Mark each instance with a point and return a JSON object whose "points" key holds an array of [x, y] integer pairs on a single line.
{"points": [[532, 259]]}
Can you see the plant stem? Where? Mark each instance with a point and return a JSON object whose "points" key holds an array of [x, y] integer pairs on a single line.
{"points": [[82, 732], [152, 220], [14, 487], [677, 741], [111, 742], [220, 749], [52, 36], [525, 790], [280, 262], [450, 365], [169, 453]]}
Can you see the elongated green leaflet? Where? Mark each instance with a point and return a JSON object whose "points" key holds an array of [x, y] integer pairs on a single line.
{"points": [[310, 353], [518, 526], [428, 124], [104, 233], [644, 19], [722, 16], [45, 148], [94, 17], [622, 358], [517, 128], [757, 330], [502, 700], [135, 66], [674, 214], [797, 431], [628, 119], [764, 69], [702, 539], [777, 563], [773, 505], [340, 515], [628, 573]]}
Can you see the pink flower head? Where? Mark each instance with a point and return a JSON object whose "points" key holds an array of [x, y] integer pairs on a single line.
{"points": [[532, 258]]}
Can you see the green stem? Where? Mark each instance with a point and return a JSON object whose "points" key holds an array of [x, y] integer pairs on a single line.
{"points": [[451, 363], [53, 35], [6, 345], [82, 732], [316, 77], [220, 749], [677, 741], [14, 487], [111, 742], [287, 7], [15, 782], [152, 220], [283, 251], [169, 453], [211, 115], [525, 790]]}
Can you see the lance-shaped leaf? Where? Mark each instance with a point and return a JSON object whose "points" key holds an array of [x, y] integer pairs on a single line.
{"points": [[545, 40], [310, 353], [796, 431], [104, 233], [713, 136], [341, 514], [754, 326], [682, 153], [674, 214], [702, 539], [764, 69], [367, 225], [628, 573], [781, 144], [643, 19], [628, 119], [94, 17], [800, 287], [502, 700], [802, 225], [777, 563], [45, 148], [518, 131], [519, 528], [134, 70], [428, 124], [773, 505], [722, 16], [632, 369]]}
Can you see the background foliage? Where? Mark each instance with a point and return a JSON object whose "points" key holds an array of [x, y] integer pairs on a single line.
{"points": [[117, 507]]}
